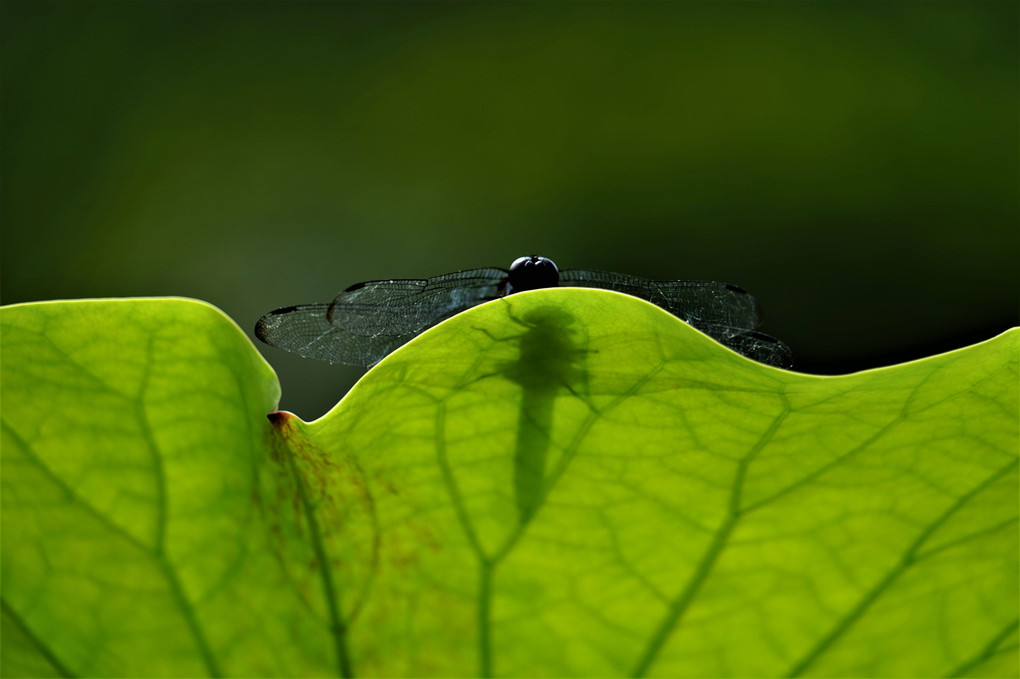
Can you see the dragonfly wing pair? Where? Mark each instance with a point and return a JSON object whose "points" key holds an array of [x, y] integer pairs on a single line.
{"points": [[696, 302], [305, 330], [725, 312], [368, 321]]}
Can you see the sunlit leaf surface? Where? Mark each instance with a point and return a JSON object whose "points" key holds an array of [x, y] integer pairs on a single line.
{"points": [[566, 482]]}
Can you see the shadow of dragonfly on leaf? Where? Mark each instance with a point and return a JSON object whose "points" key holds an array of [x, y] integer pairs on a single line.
{"points": [[552, 363]]}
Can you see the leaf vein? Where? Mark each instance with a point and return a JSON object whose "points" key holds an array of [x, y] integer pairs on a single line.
{"points": [[908, 560]]}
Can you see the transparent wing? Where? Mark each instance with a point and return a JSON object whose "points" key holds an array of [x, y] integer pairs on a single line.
{"points": [[369, 320], [757, 346], [395, 308], [306, 331], [724, 312], [700, 303]]}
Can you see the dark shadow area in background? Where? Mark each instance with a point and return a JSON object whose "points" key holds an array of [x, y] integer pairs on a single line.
{"points": [[856, 166]]}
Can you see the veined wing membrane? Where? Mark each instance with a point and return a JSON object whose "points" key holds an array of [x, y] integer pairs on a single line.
{"points": [[306, 331], [724, 312], [700, 303], [757, 346], [398, 307]]}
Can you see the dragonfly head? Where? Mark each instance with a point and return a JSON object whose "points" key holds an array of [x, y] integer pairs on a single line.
{"points": [[532, 273]]}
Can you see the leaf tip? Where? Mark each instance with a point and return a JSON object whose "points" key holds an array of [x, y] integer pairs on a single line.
{"points": [[283, 421]]}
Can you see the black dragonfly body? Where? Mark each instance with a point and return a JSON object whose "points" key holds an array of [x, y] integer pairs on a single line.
{"points": [[369, 320]]}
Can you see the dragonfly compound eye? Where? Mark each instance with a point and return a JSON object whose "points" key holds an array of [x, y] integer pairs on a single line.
{"points": [[532, 273]]}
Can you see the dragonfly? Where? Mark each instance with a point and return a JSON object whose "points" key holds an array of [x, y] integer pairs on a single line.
{"points": [[369, 320]]}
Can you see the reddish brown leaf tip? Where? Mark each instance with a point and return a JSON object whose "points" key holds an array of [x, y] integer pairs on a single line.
{"points": [[281, 418]]}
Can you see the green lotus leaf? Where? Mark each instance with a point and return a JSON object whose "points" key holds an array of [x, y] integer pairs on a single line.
{"points": [[563, 482]]}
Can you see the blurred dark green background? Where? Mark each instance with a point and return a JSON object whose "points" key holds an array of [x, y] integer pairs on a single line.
{"points": [[855, 165]]}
